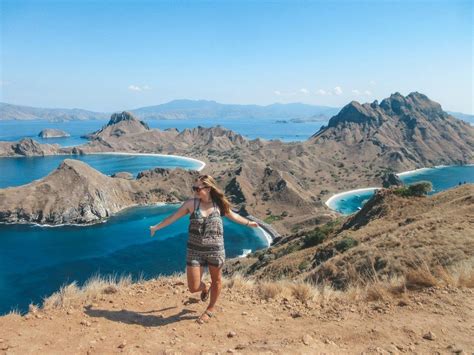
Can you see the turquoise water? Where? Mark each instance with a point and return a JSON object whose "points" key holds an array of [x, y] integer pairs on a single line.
{"points": [[35, 261], [250, 128], [20, 171], [442, 178]]}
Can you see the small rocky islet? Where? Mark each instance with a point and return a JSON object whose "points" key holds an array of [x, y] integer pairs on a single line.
{"points": [[53, 133]]}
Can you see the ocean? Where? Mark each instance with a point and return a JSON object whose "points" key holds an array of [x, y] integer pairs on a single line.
{"points": [[249, 128], [36, 261]]}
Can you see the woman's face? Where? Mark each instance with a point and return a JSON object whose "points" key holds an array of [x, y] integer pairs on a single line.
{"points": [[200, 190]]}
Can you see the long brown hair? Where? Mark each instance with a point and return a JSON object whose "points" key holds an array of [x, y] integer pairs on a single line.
{"points": [[217, 194]]}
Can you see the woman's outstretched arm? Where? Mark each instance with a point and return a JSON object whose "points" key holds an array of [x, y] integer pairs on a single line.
{"points": [[182, 211], [240, 220]]}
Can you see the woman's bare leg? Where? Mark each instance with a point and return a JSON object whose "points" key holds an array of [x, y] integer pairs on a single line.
{"points": [[194, 275], [216, 285]]}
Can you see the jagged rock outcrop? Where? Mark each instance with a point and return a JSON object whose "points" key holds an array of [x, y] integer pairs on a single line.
{"points": [[53, 133], [391, 179], [27, 147], [120, 124], [399, 132]]}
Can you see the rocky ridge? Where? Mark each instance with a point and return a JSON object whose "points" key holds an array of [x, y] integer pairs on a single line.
{"points": [[75, 193], [287, 183]]}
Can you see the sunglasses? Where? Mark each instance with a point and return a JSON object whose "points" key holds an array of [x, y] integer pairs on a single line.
{"points": [[197, 188]]}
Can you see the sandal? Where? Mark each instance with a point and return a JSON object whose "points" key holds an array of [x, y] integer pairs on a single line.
{"points": [[209, 314], [205, 295]]}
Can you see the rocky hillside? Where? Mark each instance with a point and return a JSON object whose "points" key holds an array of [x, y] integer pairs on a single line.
{"points": [[401, 131], [392, 236], [75, 193], [27, 147], [118, 125], [287, 184]]}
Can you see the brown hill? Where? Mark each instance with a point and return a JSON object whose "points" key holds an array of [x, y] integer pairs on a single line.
{"points": [[75, 193], [118, 125], [393, 237], [287, 183], [27, 147], [400, 130]]}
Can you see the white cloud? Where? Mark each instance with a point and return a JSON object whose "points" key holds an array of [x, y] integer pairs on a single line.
{"points": [[280, 93], [356, 92], [321, 92], [367, 92], [304, 91], [337, 90], [134, 88], [138, 88]]}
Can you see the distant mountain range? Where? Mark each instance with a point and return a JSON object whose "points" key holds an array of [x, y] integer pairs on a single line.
{"points": [[177, 109]]}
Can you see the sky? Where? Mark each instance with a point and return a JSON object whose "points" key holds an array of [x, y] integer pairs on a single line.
{"points": [[115, 55]]}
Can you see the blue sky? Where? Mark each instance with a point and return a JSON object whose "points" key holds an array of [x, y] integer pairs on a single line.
{"points": [[114, 55]]}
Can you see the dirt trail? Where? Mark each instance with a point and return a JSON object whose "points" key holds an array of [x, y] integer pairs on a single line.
{"points": [[158, 316]]}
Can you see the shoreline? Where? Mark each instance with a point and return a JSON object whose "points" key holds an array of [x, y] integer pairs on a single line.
{"points": [[350, 192], [330, 200], [105, 220], [200, 162], [419, 170]]}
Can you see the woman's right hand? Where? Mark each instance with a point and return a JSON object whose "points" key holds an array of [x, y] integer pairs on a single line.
{"points": [[152, 231]]}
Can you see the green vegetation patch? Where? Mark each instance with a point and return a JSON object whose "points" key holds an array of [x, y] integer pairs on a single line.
{"points": [[419, 189], [319, 234], [345, 244]]}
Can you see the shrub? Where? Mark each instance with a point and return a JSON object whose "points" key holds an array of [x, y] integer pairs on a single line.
{"points": [[313, 238], [419, 189], [345, 244], [303, 265], [319, 234], [271, 219]]}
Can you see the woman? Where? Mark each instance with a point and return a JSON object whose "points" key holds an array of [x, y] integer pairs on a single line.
{"points": [[205, 245]]}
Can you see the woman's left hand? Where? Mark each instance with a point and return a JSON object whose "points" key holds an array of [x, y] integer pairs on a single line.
{"points": [[253, 224]]}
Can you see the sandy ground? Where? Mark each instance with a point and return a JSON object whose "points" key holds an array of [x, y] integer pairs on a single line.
{"points": [[158, 316]]}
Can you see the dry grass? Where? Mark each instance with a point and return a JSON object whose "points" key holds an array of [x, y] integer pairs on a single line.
{"points": [[14, 313], [303, 291], [32, 308], [328, 294], [269, 289], [377, 292], [239, 282], [92, 289], [463, 274], [422, 277]]}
